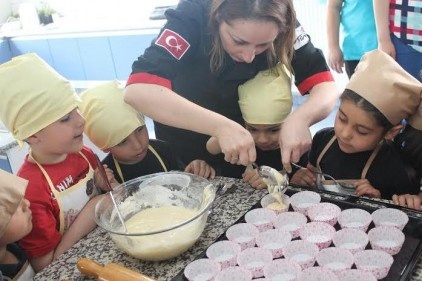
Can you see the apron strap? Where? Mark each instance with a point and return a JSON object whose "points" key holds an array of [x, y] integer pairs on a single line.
{"points": [[370, 160], [321, 155]]}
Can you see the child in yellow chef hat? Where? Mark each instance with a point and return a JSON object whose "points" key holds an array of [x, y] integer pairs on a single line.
{"points": [[41, 108], [359, 148], [115, 127], [265, 102], [15, 223]]}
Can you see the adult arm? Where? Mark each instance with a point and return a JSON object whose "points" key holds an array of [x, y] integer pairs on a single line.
{"points": [[167, 107], [381, 11], [335, 55], [312, 75]]}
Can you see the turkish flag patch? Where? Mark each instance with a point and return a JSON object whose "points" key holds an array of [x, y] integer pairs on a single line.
{"points": [[175, 44]]}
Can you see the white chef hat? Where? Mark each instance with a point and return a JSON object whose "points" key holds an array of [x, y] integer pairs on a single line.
{"points": [[33, 95], [266, 98], [108, 119], [12, 191], [386, 85]]}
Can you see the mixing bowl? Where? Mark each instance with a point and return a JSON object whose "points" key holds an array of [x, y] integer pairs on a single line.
{"points": [[158, 216]]}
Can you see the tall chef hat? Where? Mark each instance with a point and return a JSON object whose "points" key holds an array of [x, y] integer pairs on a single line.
{"points": [[266, 98], [12, 191], [108, 119], [33, 95], [386, 85]]}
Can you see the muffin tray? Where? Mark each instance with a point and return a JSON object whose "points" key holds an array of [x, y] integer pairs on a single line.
{"points": [[404, 261]]}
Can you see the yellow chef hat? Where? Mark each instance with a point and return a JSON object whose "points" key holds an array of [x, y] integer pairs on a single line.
{"points": [[266, 98], [108, 119], [386, 85], [12, 191], [33, 95]]}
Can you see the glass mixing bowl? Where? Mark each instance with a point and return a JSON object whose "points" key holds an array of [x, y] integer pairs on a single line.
{"points": [[161, 215]]}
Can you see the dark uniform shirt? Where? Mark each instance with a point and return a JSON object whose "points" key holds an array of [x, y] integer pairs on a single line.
{"points": [[9, 271], [150, 164], [179, 59], [387, 173]]}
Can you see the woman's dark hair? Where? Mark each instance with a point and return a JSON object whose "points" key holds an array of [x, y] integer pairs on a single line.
{"points": [[280, 12], [365, 105]]}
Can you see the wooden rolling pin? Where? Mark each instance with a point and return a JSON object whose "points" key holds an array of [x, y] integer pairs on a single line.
{"points": [[109, 272]]}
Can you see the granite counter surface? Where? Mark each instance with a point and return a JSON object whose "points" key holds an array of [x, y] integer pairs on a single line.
{"points": [[99, 246]]}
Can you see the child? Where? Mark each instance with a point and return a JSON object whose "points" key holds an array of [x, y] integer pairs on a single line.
{"points": [[265, 101], [378, 96], [356, 17], [15, 223], [41, 108], [115, 127]]}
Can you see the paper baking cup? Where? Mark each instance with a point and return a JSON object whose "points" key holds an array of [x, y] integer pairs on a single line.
{"points": [[254, 260], [234, 274], [224, 252], [262, 218], [355, 218], [374, 261], [202, 269], [301, 252], [335, 259], [353, 240], [319, 233], [291, 222], [269, 202], [324, 212], [301, 201], [390, 217], [387, 239], [282, 269], [356, 275], [317, 274], [274, 240], [244, 234]]}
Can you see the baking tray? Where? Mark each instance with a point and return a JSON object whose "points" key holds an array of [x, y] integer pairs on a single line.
{"points": [[404, 261]]}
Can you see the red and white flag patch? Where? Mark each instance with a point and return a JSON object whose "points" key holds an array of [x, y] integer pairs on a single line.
{"points": [[175, 44]]}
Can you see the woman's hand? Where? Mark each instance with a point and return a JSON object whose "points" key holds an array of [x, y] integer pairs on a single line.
{"points": [[408, 200], [200, 168], [364, 187], [236, 143]]}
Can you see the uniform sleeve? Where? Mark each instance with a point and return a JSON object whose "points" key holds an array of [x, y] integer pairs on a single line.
{"points": [[44, 236], [176, 44], [309, 65]]}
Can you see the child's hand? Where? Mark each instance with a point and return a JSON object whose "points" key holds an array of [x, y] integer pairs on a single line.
{"points": [[200, 168], [408, 200], [364, 187], [252, 177], [305, 176], [100, 181]]}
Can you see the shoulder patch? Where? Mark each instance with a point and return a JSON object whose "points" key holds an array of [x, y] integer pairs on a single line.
{"points": [[302, 38], [175, 44]]}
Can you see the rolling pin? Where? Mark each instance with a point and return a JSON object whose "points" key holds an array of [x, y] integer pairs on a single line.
{"points": [[109, 272]]}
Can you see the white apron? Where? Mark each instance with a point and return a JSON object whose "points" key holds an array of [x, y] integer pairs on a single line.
{"points": [[72, 200]]}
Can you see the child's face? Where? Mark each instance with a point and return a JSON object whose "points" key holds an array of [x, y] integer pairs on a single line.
{"points": [[63, 136], [20, 224], [132, 149], [356, 130], [265, 136]]}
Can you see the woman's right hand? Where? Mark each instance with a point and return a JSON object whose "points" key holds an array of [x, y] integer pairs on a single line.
{"points": [[236, 143]]}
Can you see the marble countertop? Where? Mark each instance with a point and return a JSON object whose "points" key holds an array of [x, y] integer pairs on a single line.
{"points": [[98, 245]]}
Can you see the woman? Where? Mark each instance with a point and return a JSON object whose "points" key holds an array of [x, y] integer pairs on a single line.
{"points": [[203, 53]]}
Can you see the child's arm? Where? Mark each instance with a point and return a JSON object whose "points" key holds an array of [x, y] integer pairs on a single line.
{"points": [[252, 177], [213, 146], [335, 55], [381, 10], [409, 200], [83, 224], [200, 168]]}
